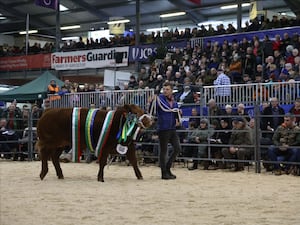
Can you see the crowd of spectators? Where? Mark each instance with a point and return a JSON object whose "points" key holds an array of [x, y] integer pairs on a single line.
{"points": [[154, 37]]}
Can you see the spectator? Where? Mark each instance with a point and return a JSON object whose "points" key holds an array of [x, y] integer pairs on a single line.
{"points": [[200, 137], [214, 111], [8, 139], [272, 117], [235, 69], [132, 84], [53, 90], [186, 96], [285, 139], [296, 111], [222, 90], [241, 135]]}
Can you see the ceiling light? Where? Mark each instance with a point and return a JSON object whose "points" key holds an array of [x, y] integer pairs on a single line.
{"points": [[29, 32], [234, 6], [2, 17], [70, 38], [70, 27], [172, 14], [62, 8], [118, 21], [157, 29]]}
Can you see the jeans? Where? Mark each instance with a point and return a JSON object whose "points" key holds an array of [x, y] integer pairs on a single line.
{"points": [[290, 155]]}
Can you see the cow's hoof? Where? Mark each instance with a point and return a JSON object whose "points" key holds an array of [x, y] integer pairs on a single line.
{"points": [[100, 179], [60, 177], [140, 178]]}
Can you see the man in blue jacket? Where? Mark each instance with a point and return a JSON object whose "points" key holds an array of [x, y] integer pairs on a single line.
{"points": [[167, 118]]}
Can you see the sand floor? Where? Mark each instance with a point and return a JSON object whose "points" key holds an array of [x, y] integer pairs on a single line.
{"points": [[196, 197]]}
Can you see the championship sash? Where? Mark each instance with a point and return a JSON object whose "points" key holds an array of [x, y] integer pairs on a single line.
{"points": [[76, 135]]}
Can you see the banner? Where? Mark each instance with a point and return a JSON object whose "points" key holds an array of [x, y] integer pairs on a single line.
{"points": [[52, 4], [15, 63], [143, 52], [96, 58]]}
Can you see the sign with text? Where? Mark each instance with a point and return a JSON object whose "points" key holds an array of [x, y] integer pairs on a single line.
{"points": [[15, 63], [95, 58]]}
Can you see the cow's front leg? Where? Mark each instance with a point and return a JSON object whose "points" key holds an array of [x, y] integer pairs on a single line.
{"points": [[132, 159]]}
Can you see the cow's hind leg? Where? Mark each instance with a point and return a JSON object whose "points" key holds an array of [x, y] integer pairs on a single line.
{"points": [[102, 164], [132, 159], [55, 160], [44, 155]]}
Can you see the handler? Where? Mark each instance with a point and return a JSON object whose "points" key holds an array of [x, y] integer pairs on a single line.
{"points": [[167, 119]]}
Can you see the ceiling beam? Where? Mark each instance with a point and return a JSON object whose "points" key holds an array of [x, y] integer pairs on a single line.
{"points": [[34, 21]]}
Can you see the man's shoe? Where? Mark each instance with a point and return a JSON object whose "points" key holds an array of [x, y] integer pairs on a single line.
{"points": [[167, 177], [173, 176], [192, 168]]}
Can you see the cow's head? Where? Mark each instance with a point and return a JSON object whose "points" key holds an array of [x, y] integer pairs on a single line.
{"points": [[144, 120]]}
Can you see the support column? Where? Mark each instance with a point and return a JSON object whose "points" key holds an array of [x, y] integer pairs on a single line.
{"points": [[137, 32]]}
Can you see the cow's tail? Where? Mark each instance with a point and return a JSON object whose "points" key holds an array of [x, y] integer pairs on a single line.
{"points": [[37, 147]]}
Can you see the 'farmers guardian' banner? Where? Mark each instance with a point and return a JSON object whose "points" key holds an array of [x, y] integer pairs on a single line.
{"points": [[95, 58]]}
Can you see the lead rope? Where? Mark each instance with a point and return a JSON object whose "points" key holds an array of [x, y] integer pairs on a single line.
{"points": [[166, 108]]}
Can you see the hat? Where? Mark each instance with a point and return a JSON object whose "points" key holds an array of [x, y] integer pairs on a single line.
{"points": [[225, 120], [238, 119], [204, 121], [228, 106]]}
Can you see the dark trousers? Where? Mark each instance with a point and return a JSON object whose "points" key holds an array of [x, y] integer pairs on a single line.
{"points": [[289, 155], [165, 137]]}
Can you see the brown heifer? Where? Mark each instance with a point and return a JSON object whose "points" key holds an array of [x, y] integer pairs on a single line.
{"points": [[54, 132]]}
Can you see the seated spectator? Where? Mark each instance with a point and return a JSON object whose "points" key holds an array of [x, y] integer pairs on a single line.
{"points": [[285, 139], [229, 113], [200, 136], [8, 135], [241, 135], [242, 112], [186, 96], [220, 137], [296, 111], [272, 117], [195, 117]]}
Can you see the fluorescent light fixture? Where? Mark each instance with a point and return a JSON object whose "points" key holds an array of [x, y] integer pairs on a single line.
{"points": [[234, 6], [70, 38], [62, 8], [29, 32], [2, 17], [118, 21], [70, 27], [157, 29], [172, 14]]}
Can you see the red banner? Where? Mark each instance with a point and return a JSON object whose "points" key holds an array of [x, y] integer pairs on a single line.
{"points": [[15, 63]]}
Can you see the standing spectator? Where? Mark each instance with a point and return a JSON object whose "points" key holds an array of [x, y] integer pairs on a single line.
{"points": [[249, 63], [285, 139], [222, 89], [235, 69], [167, 113], [53, 90]]}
